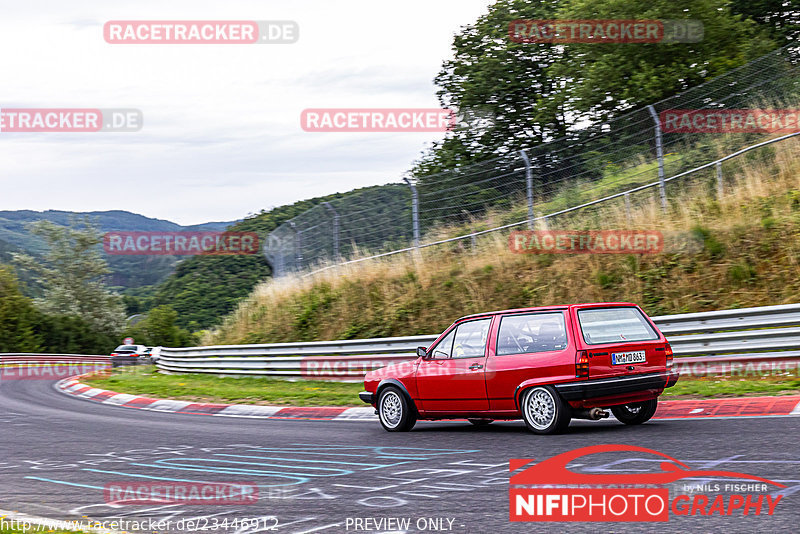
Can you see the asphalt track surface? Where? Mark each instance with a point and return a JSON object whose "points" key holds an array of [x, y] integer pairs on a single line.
{"points": [[58, 452]]}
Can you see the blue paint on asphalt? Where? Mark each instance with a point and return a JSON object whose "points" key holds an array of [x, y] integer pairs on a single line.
{"points": [[368, 468], [284, 468]]}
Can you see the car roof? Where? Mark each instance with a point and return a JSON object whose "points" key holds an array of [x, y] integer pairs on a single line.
{"points": [[548, 308]]}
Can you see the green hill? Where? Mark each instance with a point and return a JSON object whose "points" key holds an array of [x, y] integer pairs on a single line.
{"points": [[204, 289], [126, 271]]}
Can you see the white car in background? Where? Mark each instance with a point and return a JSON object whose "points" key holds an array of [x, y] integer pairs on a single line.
{"points": [[131, 350], [131, 355], [155, 353]]}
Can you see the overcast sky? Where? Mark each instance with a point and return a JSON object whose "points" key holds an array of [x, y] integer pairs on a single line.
{"points": [[222, 136]]}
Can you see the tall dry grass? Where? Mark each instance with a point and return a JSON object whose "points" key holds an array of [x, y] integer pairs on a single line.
{"points": [[739, 250]]}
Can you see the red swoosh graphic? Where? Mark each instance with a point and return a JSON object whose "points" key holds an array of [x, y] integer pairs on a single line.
{"points": [[554, 470]]}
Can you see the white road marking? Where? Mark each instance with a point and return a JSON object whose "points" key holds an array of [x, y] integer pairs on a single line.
{"points": [[120, 399], [357, 413], [166, 405], [244, 410]]}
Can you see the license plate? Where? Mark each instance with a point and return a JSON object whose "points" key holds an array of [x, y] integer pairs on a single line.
{"points": [[624, 358]]}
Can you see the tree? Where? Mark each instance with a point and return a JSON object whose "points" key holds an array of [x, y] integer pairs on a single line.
{"points": [[18, 317], [72, 275], [606, 79], [67, 334], [781, 17], [505, 80], [159, 328], [537, 92]]}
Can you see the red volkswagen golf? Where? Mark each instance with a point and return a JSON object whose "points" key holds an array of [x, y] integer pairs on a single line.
{"points": [[544, 365]]}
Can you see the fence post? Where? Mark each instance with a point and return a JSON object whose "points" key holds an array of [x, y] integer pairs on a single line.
{"points": [[472, 238], [414, 211], [720, 190], [298, 254], [660, 155], [274, 253], [628, 206], [529, 184], [335, 230]]}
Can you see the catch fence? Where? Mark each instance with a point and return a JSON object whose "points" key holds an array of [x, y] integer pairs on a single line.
{"points": [[627, 159]]}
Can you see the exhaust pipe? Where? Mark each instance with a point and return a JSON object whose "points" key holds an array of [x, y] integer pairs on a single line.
{"points": [[592, 413]]}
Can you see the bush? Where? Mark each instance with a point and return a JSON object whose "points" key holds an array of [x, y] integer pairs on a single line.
{"points": [[24, 328], [160, 328]]}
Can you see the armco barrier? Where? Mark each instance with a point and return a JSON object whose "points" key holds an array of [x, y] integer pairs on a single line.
{"points": [[760, 339]]}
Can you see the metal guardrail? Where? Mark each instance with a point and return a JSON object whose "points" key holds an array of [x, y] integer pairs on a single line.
{"points": [[709, 340]]}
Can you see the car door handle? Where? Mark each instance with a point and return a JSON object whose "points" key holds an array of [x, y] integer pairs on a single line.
{"points": [[475, 366]]}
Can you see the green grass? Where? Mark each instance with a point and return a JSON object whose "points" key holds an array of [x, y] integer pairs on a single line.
{"points": [[614, 180], [710, 387], [240, 390]]}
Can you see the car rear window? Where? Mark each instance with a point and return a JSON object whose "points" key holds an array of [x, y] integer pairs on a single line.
{"points": [[614, 325], [126, 348]]}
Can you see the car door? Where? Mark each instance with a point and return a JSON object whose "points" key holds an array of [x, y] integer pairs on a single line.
{"points": [[451, 378], [529, 346]]}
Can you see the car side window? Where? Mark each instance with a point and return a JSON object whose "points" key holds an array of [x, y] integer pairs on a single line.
{"points": [[445, 347], [535, 332], [470, 340]]}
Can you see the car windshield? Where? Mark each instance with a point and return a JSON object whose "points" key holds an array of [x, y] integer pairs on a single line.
{"points": [[614, 325]]}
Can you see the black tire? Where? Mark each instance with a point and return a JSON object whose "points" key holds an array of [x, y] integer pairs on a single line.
{"points": [[544, 411], [480, 422], [395, 410], [635, 413]]}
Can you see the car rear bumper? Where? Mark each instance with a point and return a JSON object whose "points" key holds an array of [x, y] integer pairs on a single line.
{"points": [[120, 361], [672, 378], [609, 387], [366, 396]]}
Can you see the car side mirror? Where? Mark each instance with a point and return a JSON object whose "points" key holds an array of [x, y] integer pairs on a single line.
{"points": [[422, 352]]}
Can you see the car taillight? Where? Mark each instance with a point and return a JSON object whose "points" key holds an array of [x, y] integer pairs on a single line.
{"points": [[114, 354], [668, 352], [582, 364]]}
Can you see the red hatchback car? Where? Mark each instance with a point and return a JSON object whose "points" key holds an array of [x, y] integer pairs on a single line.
{"points": [[544, 365]]}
